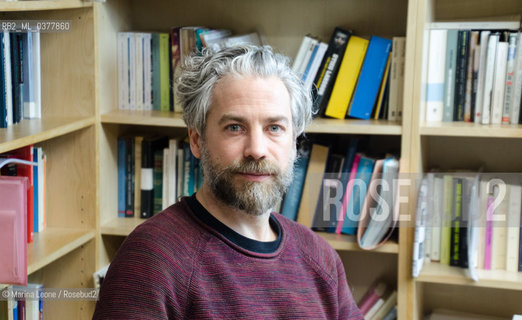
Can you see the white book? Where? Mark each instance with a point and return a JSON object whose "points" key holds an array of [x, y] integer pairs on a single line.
{"points": [[29, 103], [436, 221], [7, 78], [179, 173], [499, 83], [479, 102], [165, 179], [306, 59], [499, 230], [510, 76], [139, 75], [483, 195], [310, 77], [517, 83], [474, 228], [396, 82], [373, 310], [147, 71], [131, 63], [513, 227], [172, 168], [122, 71], [435, 80], [488, 77], [303, 49], [420, 228], [37, 75]]}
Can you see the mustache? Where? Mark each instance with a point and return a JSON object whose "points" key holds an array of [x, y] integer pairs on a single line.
{"points": [[255, 166]]}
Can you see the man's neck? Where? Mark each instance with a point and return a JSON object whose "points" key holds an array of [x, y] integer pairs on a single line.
{"points": [[256, 227]]}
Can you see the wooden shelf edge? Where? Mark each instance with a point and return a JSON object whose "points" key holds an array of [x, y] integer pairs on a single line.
{"points": [[31, 131], [353, 126], [465, 129], [144, 118], [499, 279], [342, 242], [120, 226], [43, 5], [48, 251]]}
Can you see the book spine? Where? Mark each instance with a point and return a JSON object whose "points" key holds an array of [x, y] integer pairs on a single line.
{"points": [[176, 63], [435, 82], [482, 53], [147, 72], [8, 79], [488, 77], [489, 233], [294, 193], [461, 74], [445, 242], [157, 181], [475, 64], [156, 76], [469, 104], [3, 105], [122, 82], [513, 227], [140, 74], [129, 177], [370, 78], [164, 49], [347, 78], [517, 85], [147, 179], [499, 83], [122, 169], [131, 63], [329, 68], [510, 75], [393, 101], [321, 50], [449, 80]]}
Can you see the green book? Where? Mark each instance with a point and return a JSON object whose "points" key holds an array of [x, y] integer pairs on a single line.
{"points": [[164, 48]]}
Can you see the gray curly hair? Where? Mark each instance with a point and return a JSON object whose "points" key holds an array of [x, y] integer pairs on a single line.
{"points": [[200, 74]]}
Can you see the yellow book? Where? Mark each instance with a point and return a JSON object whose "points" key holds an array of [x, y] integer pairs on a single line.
{"points": [[382, 89], [164, 72], [347, 78], [445, 240]]}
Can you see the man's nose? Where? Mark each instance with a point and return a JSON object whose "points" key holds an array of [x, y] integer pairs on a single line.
{"points": [[256, 145]]}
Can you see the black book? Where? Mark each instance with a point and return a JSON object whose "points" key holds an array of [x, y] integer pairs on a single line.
{"points": [[325, 77], [461, 72], [148, 146]]}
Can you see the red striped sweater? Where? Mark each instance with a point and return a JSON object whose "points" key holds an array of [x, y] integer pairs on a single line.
{"points": [[184, 264]]}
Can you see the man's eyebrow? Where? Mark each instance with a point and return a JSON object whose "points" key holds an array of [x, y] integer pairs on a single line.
{"points": [[241, 119]]}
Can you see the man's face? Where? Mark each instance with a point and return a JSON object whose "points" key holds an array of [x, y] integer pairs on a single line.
{"points": [[248, 149]]}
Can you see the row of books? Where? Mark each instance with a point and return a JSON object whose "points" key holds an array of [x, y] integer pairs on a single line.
{"points": [[20, 73], [28, 304], [28, 162], [148, 63], [335, 193], [474, 72], [352, 76], [379, 302], [469, 220], [153, 172]]}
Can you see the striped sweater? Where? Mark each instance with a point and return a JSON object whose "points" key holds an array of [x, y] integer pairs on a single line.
{"points": [[185, 264]]}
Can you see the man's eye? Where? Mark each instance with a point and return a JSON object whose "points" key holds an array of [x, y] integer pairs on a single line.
{"points": [[275, 128], [234, 127]]}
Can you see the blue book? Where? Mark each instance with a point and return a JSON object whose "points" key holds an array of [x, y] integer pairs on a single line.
{"points": [[294, 192], [189, 170], [362, 181], [370, 78], [3, 103], [122, 172], [345, 175]]}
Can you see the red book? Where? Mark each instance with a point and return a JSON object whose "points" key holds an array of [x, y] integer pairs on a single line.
{"points": [[26, 153], [371, 297]]}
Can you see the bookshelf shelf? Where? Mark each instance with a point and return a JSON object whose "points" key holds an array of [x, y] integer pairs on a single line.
{"points": [[336, 126], [32, 131], [144, 118], [465, 129], [120, 226], [53, 243], [437, 273], [43, 5], [349, 243]]}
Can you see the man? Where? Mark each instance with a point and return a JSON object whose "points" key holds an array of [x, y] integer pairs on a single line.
{"points": [[222, 253]]}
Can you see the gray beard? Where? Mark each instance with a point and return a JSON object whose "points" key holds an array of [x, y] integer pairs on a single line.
{"points": [[255, 198]]}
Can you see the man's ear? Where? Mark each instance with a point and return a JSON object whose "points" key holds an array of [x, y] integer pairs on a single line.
{"points": [[195, 142]]}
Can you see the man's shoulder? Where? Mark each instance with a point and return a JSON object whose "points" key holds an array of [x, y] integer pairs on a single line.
{"points": [[310, 243], [174, 229]]}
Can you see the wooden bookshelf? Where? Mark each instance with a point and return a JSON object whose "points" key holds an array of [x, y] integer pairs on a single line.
{"points": [[353, 126], [32, 131], [18, 6], [466, 129], [342, 242], [144, 118], [499, 279], [120, 226], [53, 243]]}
